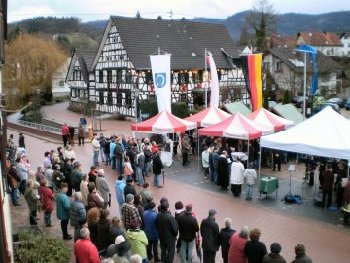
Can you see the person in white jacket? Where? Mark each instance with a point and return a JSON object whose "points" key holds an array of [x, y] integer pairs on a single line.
{"points": [[205, 161], [96, 149], [250, 177], [236, 180]]}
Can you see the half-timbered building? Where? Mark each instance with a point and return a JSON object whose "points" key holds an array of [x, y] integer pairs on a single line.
{"points": [[121, 64]]}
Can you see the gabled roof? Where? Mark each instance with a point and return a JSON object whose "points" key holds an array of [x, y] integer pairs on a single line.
{"points": [[320, 39], [283, 41], [85, 58], [295, 60], [185, 40]]}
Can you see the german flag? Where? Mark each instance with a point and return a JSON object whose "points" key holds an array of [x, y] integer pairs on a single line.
{"points": [[251, 65]]}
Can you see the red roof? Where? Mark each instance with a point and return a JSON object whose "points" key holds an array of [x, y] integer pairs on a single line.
{"points": [[320, 38]]}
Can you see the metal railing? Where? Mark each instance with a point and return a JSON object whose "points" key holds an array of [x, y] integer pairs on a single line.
{"points": [[39, 126]]}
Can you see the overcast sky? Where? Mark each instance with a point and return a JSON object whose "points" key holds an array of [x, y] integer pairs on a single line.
{"points": [[102, 9]]}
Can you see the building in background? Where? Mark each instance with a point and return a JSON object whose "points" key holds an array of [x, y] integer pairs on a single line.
{"points": [[6, 247], [59, 86], [287, 67], [122, 65]]}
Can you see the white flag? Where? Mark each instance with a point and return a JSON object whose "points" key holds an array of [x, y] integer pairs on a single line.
{"points": [[161, 79], [214, 82]]}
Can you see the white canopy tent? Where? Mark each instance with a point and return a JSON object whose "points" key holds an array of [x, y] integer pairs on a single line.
{"points": [[325, 134]]}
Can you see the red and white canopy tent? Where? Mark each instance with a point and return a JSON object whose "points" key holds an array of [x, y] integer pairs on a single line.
{"points": [[164, 122], [237, 126], [273, 121], [209, 116]]}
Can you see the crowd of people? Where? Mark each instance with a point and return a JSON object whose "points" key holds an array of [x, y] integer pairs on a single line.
{"points": [[83, 200]]}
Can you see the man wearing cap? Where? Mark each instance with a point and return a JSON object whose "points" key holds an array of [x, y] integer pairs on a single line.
{"points": [[188, 228], [130, 212], [119, 249], [210, 235], [129, 188], [167, 230], [274, 256], [84, 249]]}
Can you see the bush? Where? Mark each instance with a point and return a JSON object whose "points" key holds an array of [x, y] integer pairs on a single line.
{"points": [[33, 247], [148, 107], [33, 116], [180, 109]]}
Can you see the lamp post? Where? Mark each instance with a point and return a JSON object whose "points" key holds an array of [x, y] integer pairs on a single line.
{"points": [[135, 92]]}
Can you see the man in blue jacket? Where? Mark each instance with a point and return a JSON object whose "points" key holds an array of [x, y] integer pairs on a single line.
{"points": [[150, 228], [63, 206], [119, 190]]}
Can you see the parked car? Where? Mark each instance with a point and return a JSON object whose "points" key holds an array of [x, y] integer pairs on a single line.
{"points": [[339, 101], [347, 104], [298, 101], [320, 107]]}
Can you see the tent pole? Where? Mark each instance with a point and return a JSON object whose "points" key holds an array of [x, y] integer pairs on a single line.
{"points": [[198, 148], [259, 161], [248, 155]]}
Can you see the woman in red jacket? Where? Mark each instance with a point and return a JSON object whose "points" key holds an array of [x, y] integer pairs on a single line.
{"points": [[236, 253], [46, 200]]}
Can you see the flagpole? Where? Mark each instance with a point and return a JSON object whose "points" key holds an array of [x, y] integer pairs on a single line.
{"points": [[206, 78], [304, 103]]}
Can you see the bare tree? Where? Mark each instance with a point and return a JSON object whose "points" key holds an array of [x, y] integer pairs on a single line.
{"points": [[262, 20], [31, 61]]}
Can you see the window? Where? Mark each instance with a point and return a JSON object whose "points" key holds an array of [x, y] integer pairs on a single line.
{"points": [[109, 77], [128, 77], [183, 97], [219, 74], [267, 65], [148, 78], [119, 98], [184, 78], [76, 75], [101, 97], [197, 77], [128, 98], [119, 76], [279, 66], [110, 98], [100, 76], [61, 83]]}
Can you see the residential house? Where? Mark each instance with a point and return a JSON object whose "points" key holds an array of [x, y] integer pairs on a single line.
{"points": [[122, 66], [59, 87], [326, 42], [345, 40], [287, 67]]}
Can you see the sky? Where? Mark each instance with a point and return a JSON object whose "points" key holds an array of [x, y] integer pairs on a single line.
{"points": [[89, 10]]}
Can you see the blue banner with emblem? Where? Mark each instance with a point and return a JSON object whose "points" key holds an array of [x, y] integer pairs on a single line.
{"points": [[312, 52]]}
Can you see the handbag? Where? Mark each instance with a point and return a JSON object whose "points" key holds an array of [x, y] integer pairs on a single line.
{"points": [[344, 182]]}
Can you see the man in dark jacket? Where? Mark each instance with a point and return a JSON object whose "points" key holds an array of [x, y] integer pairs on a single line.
{"points": [[129, 188], [210, 235], [327, 185], [301, 257], [215, 159], [188, 228], [274, 256], [224, 237], [157, 169], [223, 176], [167, 230]]}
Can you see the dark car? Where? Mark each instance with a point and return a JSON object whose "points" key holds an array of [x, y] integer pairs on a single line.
{"points": [[298, 101], [347, 104], [340, 102]]}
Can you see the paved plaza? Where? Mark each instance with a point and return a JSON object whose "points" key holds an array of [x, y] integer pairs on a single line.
{"points": [[321, 230]]}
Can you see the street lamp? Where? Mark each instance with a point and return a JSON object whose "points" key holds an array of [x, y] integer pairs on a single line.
{"points": [[135, 92]]}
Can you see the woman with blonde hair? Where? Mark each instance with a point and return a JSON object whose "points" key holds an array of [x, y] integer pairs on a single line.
{"points": [[93, 216], [255, 250], [116, 229]]}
